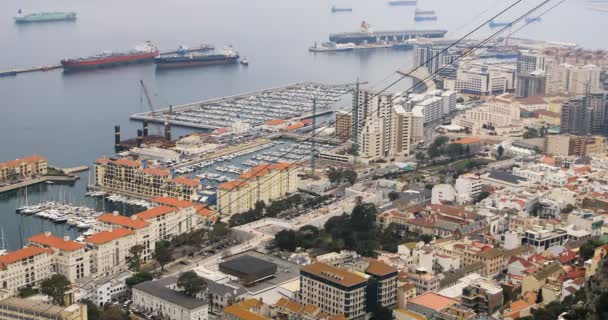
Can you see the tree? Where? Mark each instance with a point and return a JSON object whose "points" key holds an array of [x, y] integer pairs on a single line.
{"points": [[55, 287], [134, 257], [500, 151], [454, 150], [482, 195], [220, 230], [93, 312], [393, 195], [191, 283], [382, 313], [568, 208], [138, 278], [420, 157], [113, 312], [460, 100], [427, 238], [286, 240], [163, 253]]}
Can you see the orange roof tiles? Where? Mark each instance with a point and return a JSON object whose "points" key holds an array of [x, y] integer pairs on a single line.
{"points": [[468, 140], [433, 301], [243, 314], [172, 202], [231, 185], [107, 236], [128, 222], [17, 162], [186, 181], [21, 254], [157, 172], [334, 274], [56, 242], [295, 126], [127, 162], [379, 268], [206, 212], [103, 161], [274, 122], [155, 212], [532, 100]]}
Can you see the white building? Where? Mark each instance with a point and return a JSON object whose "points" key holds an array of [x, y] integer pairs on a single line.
{"points": [[70, 258], [467, 186], [158, 298], [442, 193], [572, 79], [25, 267], [481, 79]]}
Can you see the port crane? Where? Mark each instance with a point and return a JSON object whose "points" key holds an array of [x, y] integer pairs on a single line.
{"points": [[144, 92]]}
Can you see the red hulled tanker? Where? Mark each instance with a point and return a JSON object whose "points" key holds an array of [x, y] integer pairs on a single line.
{"points": [[146, 51]]}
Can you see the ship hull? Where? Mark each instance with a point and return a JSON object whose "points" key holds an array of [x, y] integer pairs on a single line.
{"points": [[186, 63], [46, 17], [23, 21], [108, 61]]}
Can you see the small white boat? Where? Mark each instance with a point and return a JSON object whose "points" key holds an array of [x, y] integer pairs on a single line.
{"points": [[245, 62]]}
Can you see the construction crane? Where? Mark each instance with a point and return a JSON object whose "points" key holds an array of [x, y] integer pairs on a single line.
{"points": [[144, 92]]}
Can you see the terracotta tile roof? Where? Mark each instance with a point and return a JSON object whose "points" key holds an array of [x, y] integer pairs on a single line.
{"points": [[291, 305], [103, 161], [18, 255], [155, 212], [127, 162], [337, 317], [52, 241], [27, 160], [334, 274], [157, 172], [433, 301], [172, 202], [107, 236], [206, 212], [274, 122], [468, 140], [230, 185], [263, 169], [243, 314], [532, 100], [379, 268], [547, 113], [186, 181], [132, 222]]}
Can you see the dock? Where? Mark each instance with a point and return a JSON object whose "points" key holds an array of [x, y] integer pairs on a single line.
{"points": [[70, 171], [14, 72], [252, 108], [29, 182]]}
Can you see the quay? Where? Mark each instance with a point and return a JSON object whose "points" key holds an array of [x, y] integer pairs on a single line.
{"points": [[70, 171], [384, 36], [226, 151], [29, 182], [252, 108], [14, 72]]}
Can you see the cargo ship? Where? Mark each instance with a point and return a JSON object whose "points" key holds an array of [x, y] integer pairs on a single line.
{"points": [[331, 46], [44, 17], [403, 2], [420, 18], [336, 9], [146, 51], [494, 24], [420, 11], [225, 56]]}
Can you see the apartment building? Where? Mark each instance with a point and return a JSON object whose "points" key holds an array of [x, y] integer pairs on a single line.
{"points": [[23, 168], [260, 183], [483, 295], [491, 258], [494, 115], [572, 79], [161, 298], [109, 250], [483, 80], [70, 258], [334, 290], [424, 281], [468, 187], [432, 104], [384, 291], [542, 238], [133, 177], [20, 309], [25, 267], [344, 125]]}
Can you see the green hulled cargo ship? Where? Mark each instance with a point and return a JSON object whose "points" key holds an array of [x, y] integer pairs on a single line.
{"points": [[44, 17]]}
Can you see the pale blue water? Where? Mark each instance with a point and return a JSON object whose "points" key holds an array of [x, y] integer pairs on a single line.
{"points": [[70, 118]]}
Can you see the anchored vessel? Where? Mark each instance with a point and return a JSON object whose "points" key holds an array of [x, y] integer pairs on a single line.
{"points": [[44, 17], [224, 56], [142, 52], [336, 9], [403, 3], [494, 24]]}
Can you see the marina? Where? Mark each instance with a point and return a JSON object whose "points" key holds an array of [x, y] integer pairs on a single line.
{"points": [[251, 109]]}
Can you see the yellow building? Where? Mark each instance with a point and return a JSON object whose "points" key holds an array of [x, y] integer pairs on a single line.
{"points": [[491, 258], [534, 282], [248, 309], [110, 249], [133, 177], [18, 309], [24, 267], [261, 183], [23, 168]]}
